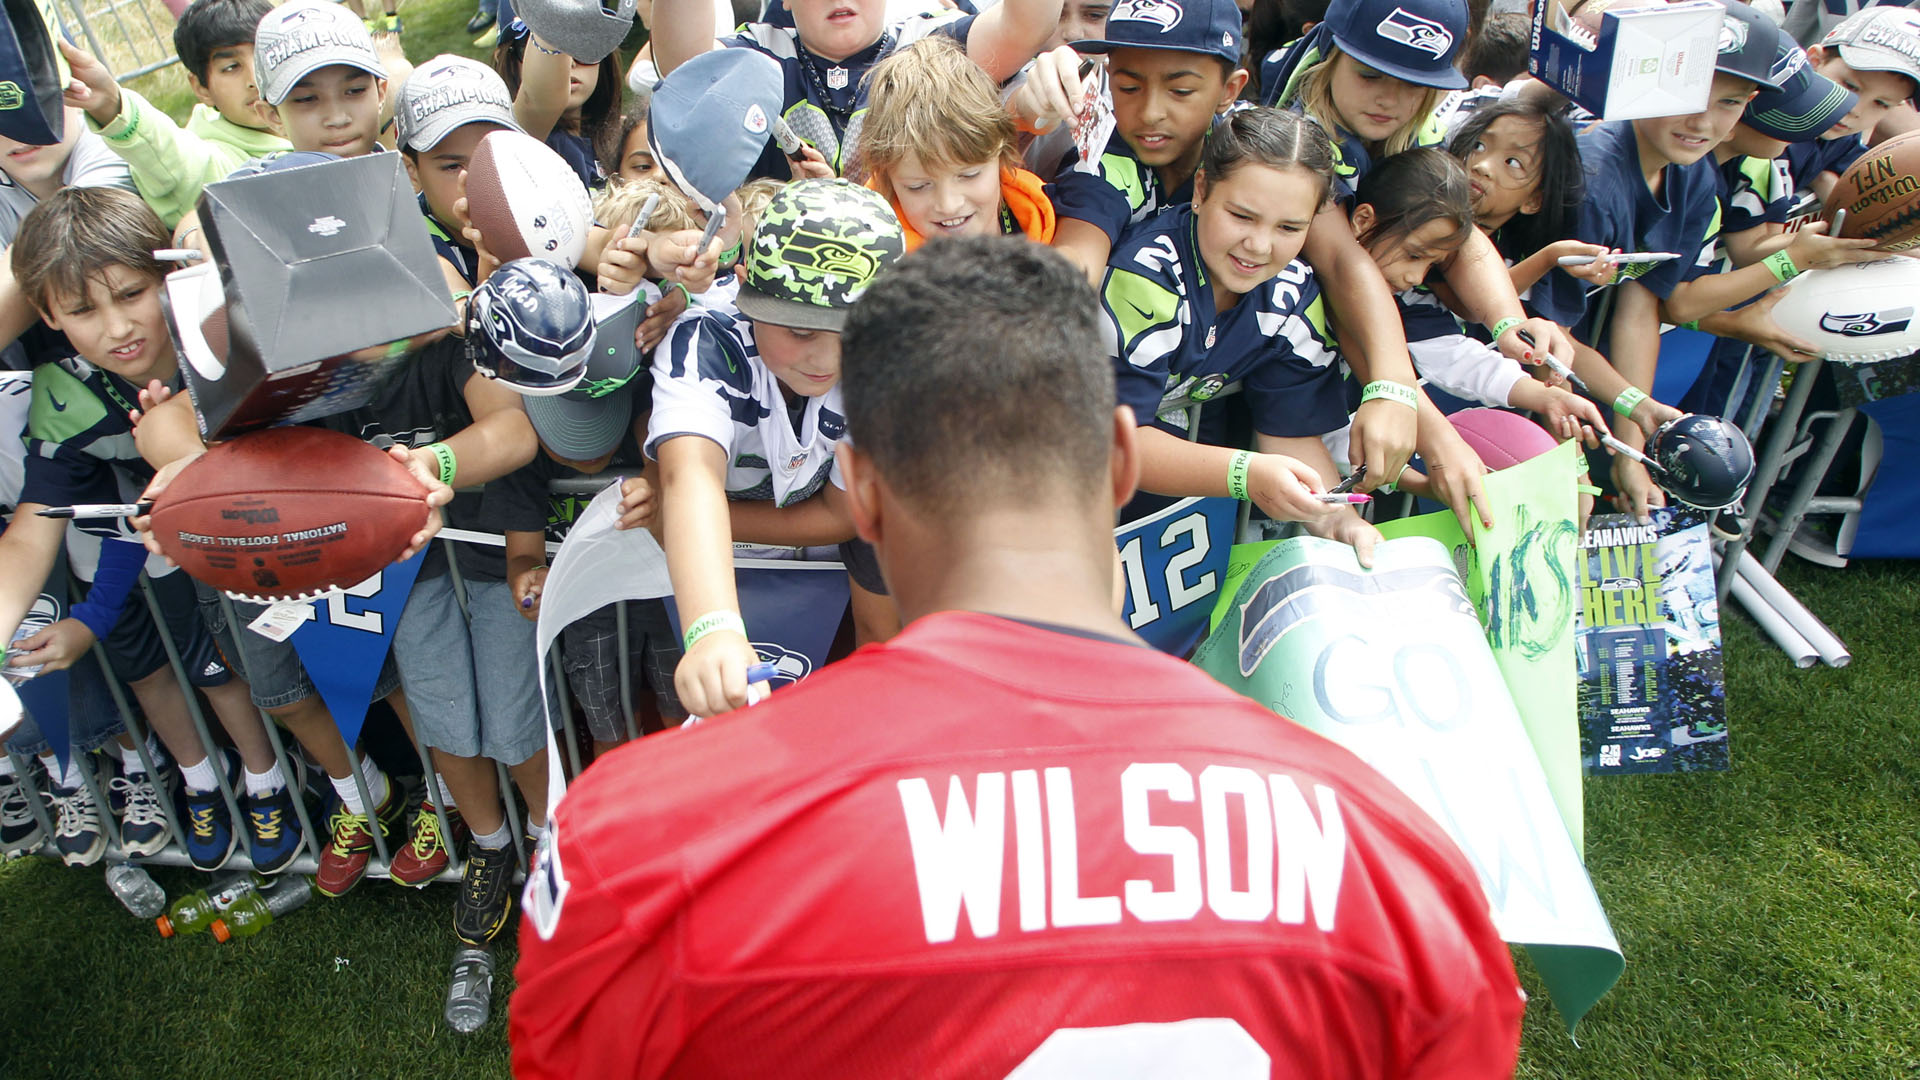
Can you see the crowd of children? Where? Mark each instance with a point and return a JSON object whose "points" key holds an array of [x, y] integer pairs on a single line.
{"points": [[1342, 240]]}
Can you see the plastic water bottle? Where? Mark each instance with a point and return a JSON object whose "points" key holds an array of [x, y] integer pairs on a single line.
{"points": [[251, 913], [470, 994], [137, 890], [196, 911]]}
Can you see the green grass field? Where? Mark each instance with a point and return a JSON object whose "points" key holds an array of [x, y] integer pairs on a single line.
{"points": [[1767, 914]]}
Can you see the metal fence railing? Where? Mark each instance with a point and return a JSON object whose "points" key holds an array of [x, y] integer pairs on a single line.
{"points": [[132, 37]]}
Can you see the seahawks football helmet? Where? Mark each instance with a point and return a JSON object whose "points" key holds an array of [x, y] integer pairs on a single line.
{"points": [[1703, 461], [530, 325]]}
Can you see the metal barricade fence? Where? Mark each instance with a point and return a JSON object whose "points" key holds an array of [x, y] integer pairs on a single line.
{"points": [[124, 34]]}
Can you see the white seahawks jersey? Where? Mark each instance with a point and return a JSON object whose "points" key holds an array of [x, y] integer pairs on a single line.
{"points": [[708, 380], [16, 390]]}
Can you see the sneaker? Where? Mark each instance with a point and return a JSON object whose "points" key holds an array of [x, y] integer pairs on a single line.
{"points": [[273, 830], [489, 39], [143, 823], [211, 838], [486, 894], [425, 855], [480, 21], [20, 829], [76, 826], [344, 860]]}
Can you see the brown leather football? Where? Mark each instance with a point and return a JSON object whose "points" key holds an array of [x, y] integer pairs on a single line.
{"points": [[1881, 195]]}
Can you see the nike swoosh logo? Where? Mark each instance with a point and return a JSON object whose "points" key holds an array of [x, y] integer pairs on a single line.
{"points": [[1140, 311], [58, 405]]}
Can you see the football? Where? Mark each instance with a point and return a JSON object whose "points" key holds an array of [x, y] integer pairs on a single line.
{"points": [[1881, 195], [289, 513], [1855, 314], [526, 200], [1501, 438]]}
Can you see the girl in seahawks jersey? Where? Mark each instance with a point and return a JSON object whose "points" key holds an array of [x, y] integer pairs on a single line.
{"points": [[1523, 169], [1210, 294]]}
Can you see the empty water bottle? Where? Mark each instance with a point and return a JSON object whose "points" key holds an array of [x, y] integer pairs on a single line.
{"points": [[470, 994], [251, 913], [195, 911], [137, 890]]}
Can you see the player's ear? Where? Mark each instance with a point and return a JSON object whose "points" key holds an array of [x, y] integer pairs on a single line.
{"points": [[863, 491], [1124, 457]]}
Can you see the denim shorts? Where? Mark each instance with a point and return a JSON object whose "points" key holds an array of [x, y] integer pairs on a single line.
{"points": [[590, 650], [470, 680], [134, 647], [272, 669]]}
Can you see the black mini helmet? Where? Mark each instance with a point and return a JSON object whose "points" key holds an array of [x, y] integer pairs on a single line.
{"points": [[1703, 461], [530, 325]]}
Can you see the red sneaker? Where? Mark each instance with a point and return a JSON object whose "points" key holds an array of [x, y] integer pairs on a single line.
{"points": [[425, 855], [344, 860]]}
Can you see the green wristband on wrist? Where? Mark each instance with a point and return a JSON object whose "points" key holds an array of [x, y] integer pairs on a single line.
{"points": [[443, 454], [1780, 264], [1392, 391], [712, 622], [1629, 400], [1237, 470], [1505, 325]]}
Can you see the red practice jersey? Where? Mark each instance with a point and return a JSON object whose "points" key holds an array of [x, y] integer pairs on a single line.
{"points": [[989, 849]]}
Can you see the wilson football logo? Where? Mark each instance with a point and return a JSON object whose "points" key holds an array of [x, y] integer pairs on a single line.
{"points": [[1415, 32], [1867, 324], [1160, 13]]}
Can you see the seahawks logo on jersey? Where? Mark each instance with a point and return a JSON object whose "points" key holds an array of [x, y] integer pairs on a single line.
{"points": [[1415, 32]]}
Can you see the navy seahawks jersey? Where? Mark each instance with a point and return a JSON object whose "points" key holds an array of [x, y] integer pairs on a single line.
{"points": [[708, 380], [1807, 160], [1168, 346], [462, 257], [1621, 212], [825, 101], [1113, 191]]}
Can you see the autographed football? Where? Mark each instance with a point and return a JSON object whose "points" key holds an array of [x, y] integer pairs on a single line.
{"points": [[1501, 438], [289, 513], [1881, 195], [1856, 314], [526, 200]]}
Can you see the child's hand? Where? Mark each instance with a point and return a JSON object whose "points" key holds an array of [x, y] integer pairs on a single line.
{"points": [[527, 587], [1564, 413], [56, 646], [622, 265], [1813, 249], [151, 395], [1637, 491], [1650, 414], [1548, 337], [672, 258], [660, 315], [1382, 438], [484, 262], [1053, 92], [1455, 474], [143, 523], [811, 166], [1755, 325], [1598, 272], [638, 507], [1284, 487], [93, 89], [712, 676], [1352, 529], [426, 469]]}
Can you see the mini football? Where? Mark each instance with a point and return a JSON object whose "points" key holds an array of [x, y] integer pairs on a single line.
{"points": [[1855, 314], [289, 513], [526, 200], [1501, 438], [1881, 195]]}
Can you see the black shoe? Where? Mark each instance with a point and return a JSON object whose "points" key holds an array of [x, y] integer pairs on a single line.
{"points": [[480, 21], [486, 894], [20, 830]]}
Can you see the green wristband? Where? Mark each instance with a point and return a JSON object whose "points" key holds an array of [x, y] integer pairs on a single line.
{"points": [[1392, 391], [1237, 470], [1505, 325], [1780, 264], [711, 622], [1629, 400], [443, 454]]}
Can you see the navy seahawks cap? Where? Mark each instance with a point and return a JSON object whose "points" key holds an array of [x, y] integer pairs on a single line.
{"points": [[1416, 41], [1749, 44], [1210, 27], [1806, 104], [710, 120], [280, 161], [32, 75]]}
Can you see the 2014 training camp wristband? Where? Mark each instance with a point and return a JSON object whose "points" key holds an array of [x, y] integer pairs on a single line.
{"points": [[711, 622], [1629, 400], [443, 454], [1505, 325], [1781, 265], [1393, 391], [1237, 474]]}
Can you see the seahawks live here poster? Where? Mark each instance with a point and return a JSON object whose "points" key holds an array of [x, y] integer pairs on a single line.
{"points": [[1652, 691]]}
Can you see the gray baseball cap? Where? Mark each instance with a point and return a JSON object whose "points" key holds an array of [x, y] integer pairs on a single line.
{"points": [[588, 420], [448, 92], [711, 118], [301, 37], [586, 30], [1879, 39]]}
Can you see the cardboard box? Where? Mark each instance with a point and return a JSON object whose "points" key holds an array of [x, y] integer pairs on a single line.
{"points": [[1647, 61], [310, 264]]}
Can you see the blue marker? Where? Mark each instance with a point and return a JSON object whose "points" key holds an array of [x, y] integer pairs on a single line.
{"points": [[760, 672]]}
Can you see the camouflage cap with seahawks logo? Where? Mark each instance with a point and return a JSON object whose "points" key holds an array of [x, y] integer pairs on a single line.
{"points": [[816, 248]]}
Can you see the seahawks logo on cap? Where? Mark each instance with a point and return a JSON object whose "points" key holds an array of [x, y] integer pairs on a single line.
{"points": [[1416, 32], [1161, 13], [1867, 324], [1733, 35], [11, 96]]}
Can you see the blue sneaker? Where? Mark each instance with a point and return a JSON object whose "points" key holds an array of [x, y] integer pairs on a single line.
{"points": [[210, 835], [273, 827]]}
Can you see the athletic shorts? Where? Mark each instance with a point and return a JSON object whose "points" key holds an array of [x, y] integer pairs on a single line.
{"points": [[134, 648], [590, 653], [272, 669], [470, 680]]}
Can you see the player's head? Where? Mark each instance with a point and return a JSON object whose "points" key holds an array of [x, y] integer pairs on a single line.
{"points": [[84, 258], [1875, 53], [975, 380], [443, 110], [1262, 178], [817, 247], [317, 67], [1497, 52], [1523, 168], [936, 139], [214, 40], [1172, 65], [1410, 211]]}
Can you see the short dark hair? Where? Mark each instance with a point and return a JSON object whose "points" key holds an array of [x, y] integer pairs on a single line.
{"points": [[1499, 48], [973, 373], [78, 232], [1410, 190], [1562, 180], [207, 26]]}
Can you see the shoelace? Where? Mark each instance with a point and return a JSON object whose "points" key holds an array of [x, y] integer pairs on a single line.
{"points": [[75, 814], [266, 822], [426, 834], [14, 808], [143, 800], [343, 824], [486, 865], [202, 820]]}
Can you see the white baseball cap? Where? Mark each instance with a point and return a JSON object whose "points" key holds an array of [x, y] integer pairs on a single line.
{"points": [[300, 37], [1879, 39], [448, 92]]}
